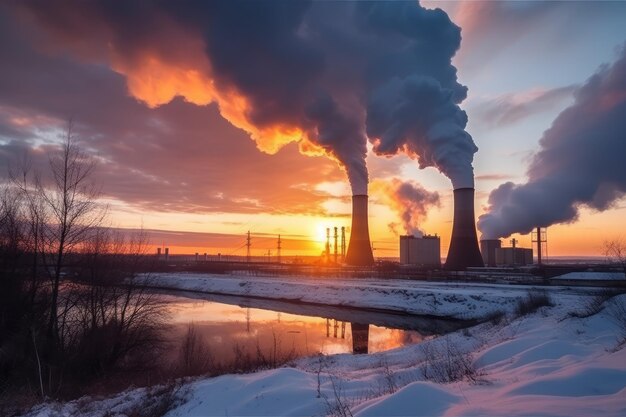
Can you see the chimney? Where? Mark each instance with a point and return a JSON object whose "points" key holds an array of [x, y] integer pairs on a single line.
{"points": [[463, 250], [359, 248]]}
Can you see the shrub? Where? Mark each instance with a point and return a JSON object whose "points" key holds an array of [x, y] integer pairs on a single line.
{"points": [[617, 314], [447, 363], [533, 301]]}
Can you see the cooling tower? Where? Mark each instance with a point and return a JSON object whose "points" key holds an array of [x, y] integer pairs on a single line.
{"points": [[463, 250], [359, 248]]}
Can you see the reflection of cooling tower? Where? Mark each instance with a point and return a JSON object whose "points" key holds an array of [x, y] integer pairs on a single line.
{"points": [[359, 248], [463, 250], [360, 337]]}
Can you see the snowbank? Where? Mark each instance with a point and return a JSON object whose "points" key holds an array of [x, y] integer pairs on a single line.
{"points": [[451, 300], [545, 364], [591, 276]]}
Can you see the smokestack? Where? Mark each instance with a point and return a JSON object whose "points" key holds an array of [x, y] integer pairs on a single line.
{"points": [[463, 250], [359, 248]]}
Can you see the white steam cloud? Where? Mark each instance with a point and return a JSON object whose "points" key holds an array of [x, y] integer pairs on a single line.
{"points": [[580, 163]]}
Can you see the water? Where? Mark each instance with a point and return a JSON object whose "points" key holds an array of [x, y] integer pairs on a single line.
{"points": [[231, 325]]}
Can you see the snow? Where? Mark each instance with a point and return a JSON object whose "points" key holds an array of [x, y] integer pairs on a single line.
{"points": [[451, 300], [282, 392], [549, 363], [592, 276], [416, 399]]}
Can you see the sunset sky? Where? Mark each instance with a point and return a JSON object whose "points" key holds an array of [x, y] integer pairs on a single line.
{"points": [[194, 151]]}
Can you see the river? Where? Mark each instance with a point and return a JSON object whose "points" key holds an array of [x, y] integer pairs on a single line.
{"points": [[230, 325]]}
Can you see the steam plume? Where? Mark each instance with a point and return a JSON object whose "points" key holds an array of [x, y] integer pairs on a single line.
{"points": [[581, 162], [409, 200], [414, 108], [321, 74]]}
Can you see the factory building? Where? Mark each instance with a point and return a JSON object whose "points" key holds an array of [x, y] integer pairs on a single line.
{"points": [[424, 251], [513, 256], [488, 250]]}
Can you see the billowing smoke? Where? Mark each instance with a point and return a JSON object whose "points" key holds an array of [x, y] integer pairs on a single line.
{"points": [[321, 74], [409, 200], [580, 163], [414, 109]]}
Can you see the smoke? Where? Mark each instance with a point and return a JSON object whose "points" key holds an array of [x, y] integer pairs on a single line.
{"points": [[325, 75], [409, 200], [414, 108], [580, 162]]}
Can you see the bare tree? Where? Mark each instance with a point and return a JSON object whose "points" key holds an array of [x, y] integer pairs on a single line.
{"points": [[70, 201], [67, 283], [615, 251]]}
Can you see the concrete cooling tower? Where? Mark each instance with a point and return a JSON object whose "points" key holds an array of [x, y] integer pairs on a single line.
{"points": [[463, 250], [360, 249]]}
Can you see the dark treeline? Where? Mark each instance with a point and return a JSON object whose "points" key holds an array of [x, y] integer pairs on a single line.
{"points": [[70, 315]]}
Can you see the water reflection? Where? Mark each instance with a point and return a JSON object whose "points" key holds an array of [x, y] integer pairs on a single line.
{"points": [[229, 324], [360, 337]]}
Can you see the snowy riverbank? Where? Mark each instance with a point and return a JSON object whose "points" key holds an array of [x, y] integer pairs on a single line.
{"points": [[453, 300], [547, 363]]}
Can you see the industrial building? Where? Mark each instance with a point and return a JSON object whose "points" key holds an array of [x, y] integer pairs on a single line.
{"points": [[488, 250], [423, 251], [495, 255], [513, 256]]}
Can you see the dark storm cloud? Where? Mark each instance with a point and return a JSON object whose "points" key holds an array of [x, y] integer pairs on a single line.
{"points": [[319, 74], [178, 157], [580, 163]]}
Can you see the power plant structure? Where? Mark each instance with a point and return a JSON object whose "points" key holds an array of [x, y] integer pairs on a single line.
{"points": [[496, 255], [463, 252], [488, 249], [423, 251], [359, 249]]}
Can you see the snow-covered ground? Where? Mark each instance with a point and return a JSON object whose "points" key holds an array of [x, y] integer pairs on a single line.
{"points": [[454, 300], [548, 363], [591, 276]]}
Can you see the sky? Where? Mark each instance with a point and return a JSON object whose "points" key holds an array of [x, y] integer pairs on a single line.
{"points": [[210, 121]]}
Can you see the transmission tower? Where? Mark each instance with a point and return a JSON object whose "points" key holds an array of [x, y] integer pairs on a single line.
{"points": [[540, 237], [278, 249], [248, 244]]}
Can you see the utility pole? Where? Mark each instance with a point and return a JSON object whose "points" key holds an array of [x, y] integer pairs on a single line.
{"points": [[336, 244], [248, 244], [278, 249]]}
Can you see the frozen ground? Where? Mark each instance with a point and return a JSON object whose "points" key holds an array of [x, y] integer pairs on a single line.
{"points": [[549, 363], [589, 276], [456, 300]]}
